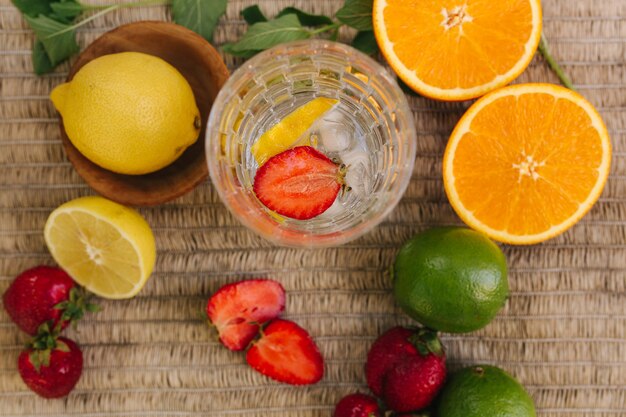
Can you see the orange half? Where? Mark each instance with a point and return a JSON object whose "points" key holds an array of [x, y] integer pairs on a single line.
{"points": [[526, 162], [455, 50]]}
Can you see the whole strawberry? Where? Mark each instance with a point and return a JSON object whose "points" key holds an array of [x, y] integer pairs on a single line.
{"points": [[44, 295], [358, 405], [52, 366], [414, 383], [388, 350], [406, 368]]}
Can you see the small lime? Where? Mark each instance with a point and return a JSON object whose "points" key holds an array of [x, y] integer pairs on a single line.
{"points": [[481, 391], [451, 279]]}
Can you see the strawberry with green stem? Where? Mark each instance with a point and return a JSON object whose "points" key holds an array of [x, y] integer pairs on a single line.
{"points": [[406, 368], [45, 294], [51, 365]]}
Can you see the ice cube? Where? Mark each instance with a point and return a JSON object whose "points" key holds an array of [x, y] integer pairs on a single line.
{"points": [[335, 116], [358, 177], [334, 131]]}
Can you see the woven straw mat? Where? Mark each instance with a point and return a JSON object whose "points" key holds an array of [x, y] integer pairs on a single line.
{"points": [[562, 333]]}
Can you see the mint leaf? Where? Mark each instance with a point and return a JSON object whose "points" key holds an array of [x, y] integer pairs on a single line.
{"points": [[264, 35], [201, 16], [306, 19], [58, 46], [253, 14], [229, 48], [33, 8], [365, 42], [41, 61], [357, 14], [67, 9]]}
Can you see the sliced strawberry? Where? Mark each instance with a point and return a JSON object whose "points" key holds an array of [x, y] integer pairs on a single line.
{"points": [[238, 309], [300, 183], [285, 352]]}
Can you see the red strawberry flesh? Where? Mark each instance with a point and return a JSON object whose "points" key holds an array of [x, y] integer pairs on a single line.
{"points": [[59, 377], [387, 351], [31, 298], [300, 183], [287, 353], [357, 405], [238, 309]]}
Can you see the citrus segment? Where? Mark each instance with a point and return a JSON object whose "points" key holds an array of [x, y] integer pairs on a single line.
{"points": [[105, 247], [527, 162], [457, 49], [284, 134]]}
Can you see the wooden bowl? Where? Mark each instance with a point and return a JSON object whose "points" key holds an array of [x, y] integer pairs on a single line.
{"points": [[205, 71]]}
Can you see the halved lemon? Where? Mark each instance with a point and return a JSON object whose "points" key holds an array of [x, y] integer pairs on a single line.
{"points": [[105, 247], [457, 49], [526, 162], [284, 134]]}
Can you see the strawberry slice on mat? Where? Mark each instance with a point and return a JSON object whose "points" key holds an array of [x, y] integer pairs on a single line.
{"points": [[300, 183], [237, 310], [287, 353]]}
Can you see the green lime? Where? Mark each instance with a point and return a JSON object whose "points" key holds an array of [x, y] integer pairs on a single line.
{"points": [[482, 390], [451, 279]]}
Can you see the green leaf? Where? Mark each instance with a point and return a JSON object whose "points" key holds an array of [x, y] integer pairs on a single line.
{"points": [[67, 9], [264, 35], [35, 359], [44, 328], [61, 306], [41, 61], [58, 47], [357, 14], [75, 294], [306, 19], [93, 308], [201, 16], [365, 42], [253, 14], [62, 346], [230, 49], [33, 8], [44, 357]]}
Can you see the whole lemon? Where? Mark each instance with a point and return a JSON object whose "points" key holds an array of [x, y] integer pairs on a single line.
{"points": [[130, 113]]}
